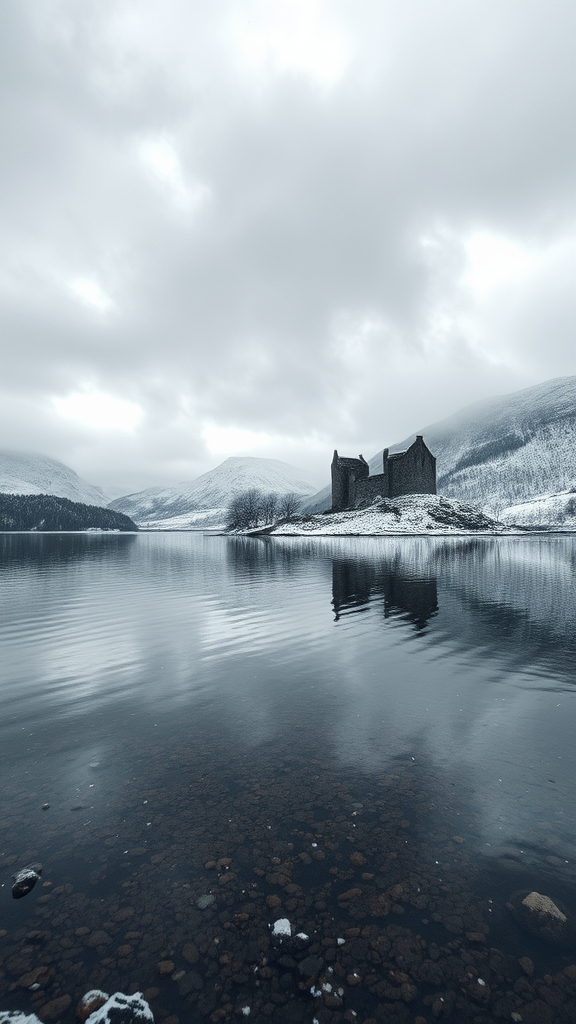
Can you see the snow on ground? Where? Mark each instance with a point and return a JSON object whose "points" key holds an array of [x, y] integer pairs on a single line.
{"points": [[412, 513], [557, 510], [202, 519]]}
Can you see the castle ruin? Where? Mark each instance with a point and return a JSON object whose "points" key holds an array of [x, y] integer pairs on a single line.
{"points": [[409, 472]]}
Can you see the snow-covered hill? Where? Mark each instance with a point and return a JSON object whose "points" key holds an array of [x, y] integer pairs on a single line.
{"points": [[502, 451], [202, 503], [31, 473], [558, 510], [412, 514]]}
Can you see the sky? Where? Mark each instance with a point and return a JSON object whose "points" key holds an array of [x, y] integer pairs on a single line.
{"points": [[277, 227]]}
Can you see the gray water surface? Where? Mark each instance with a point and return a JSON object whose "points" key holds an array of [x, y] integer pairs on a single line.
{"points": [[286, 705]]}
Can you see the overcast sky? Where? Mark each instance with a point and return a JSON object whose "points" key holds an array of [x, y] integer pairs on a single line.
{"points": [[274, 228]]}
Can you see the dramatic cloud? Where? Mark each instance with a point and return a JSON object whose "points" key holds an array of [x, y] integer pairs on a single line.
{"points": [[274, 228]]}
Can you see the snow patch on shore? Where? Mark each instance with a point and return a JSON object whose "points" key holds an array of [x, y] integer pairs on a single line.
{"points": [[557, 510], [410, 514]]}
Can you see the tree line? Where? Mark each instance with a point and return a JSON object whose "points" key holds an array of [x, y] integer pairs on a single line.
{"points": [[253, 508], [47, 512]]}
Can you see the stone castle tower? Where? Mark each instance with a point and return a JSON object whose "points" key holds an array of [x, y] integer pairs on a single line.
{"points": [[409, 472]]}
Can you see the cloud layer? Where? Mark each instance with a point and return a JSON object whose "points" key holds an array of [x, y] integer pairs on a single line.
{"points": [[273, 229]]}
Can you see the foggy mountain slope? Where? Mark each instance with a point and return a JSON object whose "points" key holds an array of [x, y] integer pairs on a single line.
{"points": [[32, 473], [210, 493], [501, 451]]}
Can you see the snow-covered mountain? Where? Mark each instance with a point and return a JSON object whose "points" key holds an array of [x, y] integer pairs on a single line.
{"points": [[501, 451], [32, 473], [202, 503]]}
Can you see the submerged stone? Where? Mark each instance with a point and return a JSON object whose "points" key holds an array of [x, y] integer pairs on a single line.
{"points": [[205, 901], [540, 915]]}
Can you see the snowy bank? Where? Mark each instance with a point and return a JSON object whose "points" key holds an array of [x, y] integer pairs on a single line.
{"points": [[411, 514], [556, 510]]}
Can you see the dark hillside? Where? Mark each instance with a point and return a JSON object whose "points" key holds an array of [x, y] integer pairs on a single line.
{"points": [[47, 512]]}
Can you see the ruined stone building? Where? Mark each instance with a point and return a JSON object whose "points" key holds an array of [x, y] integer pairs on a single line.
{"points": [[409, 472]]}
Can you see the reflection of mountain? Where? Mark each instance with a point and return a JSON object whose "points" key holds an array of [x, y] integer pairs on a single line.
{"points": [[356, 583]]}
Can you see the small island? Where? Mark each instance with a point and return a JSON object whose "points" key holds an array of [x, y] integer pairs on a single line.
{"points": [[400, 500], [408, 514], [46, 513]]}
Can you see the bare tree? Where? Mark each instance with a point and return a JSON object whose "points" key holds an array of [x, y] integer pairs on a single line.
{"points": [[269, 507], [245, 510], [289, 505], [251, 508]]}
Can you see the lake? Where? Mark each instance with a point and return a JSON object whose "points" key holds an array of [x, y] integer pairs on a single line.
{"points": [[371, 739]]}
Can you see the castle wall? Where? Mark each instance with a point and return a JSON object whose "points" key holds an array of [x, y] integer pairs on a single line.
{"points": [[412, 472], [347, 475], [409, 472], [370, 488]]}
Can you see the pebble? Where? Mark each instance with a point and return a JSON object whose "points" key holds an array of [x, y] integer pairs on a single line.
{"points": [[229, 959], [205, 901], [53, 1010], [526, 965]]}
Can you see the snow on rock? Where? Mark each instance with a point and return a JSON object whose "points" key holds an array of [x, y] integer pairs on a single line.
{"points": [[282, 927], [32, 473], [412, 513], [201, 504], [90, 1002], [558, 510], [24, 880], [122, 1009], [16, 1017]]}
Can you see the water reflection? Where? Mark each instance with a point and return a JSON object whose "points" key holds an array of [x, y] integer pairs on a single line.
{"points": [[21, 550], [509, 599], [409, 701], [356, 583]]}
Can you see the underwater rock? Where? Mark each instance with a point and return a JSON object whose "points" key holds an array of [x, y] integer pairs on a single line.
{"points": [[205, 901], [549, 919], [53, 1010], [23, 881]]}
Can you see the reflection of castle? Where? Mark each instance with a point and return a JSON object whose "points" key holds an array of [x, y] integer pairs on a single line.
{"points": [[355, 584], [409, 472]]}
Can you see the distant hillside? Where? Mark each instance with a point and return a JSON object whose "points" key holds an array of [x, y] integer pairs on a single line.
{"points": [[499, 452], [558, 510], [44, 512], [202, 503], [31, 473]]}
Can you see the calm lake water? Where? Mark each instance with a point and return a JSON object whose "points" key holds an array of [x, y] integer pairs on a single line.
{"points": [[372, 738]]}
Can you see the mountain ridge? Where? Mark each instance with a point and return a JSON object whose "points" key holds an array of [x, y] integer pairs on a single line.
{"points": [[24, 472], [202, 502]]}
